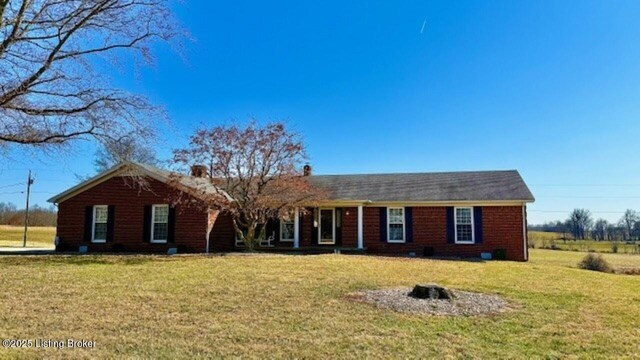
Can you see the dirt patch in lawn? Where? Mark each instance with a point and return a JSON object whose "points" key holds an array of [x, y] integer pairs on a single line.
{"points": [[464, 304]]}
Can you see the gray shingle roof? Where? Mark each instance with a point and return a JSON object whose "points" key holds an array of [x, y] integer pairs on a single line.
{"points": [[130, 168], [436, 186]]}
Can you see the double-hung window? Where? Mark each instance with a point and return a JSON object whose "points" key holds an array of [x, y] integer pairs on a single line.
{"points": [[464, 225], [160, 223], [395, 225], [286, 229], [100, 217]]}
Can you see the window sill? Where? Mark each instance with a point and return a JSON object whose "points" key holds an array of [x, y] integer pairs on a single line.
{"points": [[396, 241], [465, 242], [98, 241], [158, 241]]}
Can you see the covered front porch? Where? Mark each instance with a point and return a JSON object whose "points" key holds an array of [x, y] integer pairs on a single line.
{"points": [[331, 227]]}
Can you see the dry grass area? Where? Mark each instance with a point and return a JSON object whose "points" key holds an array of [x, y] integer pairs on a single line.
{"points": [[37, 236], [549, 240], [295, 306]]}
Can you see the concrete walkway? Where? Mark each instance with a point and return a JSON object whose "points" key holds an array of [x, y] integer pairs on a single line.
{"points": [[26, 251]]}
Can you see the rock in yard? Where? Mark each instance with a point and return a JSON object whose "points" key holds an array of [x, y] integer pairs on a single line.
{"points": [[431, 291]]}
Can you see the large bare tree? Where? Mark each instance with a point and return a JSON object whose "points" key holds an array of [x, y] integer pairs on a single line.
{"points": [[51, 88], [125, 149], [258, 167], [580, 222]]}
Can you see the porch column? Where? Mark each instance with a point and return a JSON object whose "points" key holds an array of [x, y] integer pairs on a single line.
{"points": [[360, 237], [296, 229]]}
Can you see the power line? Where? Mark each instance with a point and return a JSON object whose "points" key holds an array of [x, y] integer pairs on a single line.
{"points": [[12, 185], [11, 192], [586, 185], [568, 211], [587, 197]]}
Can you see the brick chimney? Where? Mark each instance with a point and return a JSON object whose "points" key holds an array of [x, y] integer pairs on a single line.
{"points": [[306, 170], [198, 171]]}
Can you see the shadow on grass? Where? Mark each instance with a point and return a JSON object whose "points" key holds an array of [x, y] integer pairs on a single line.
{"points": [[79, 260]]}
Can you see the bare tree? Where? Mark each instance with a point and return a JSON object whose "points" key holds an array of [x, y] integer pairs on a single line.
{"points": [[580, 222], [125, 149], [628, 222], [600, 230], [258, 168], [50, 90]]}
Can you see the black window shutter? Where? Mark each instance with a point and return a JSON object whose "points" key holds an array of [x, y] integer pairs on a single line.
{"points": [[146, 234], [477, 224], [171, 234], [451, 228], [273, 228], [111, 218], [408, 223], [383, 224], [88, 223], [300, 232]]}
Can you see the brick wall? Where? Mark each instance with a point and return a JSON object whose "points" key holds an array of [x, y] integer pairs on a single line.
{"points": [[502, 226], [502, 229], [129, 202], [350, 227], [222, 237]]}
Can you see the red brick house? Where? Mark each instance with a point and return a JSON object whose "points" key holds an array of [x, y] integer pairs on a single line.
{"points": [[465, 214]]}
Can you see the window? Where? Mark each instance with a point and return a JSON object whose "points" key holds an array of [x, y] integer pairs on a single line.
{"points": [[464, 225], [100, 217], [286, 229], [395, 224], [160, 223]]}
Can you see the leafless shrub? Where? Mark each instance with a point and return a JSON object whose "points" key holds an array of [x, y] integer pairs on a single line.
{"points": [[594, 262]]}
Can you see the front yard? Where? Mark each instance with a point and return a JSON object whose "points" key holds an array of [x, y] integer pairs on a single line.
{"points": [[295, 306]]}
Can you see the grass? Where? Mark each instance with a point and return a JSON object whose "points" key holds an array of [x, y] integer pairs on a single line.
{"points": [[294, 306], [542, 239], [37, 236]]}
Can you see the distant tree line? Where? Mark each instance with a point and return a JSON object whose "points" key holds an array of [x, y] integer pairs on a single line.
{"points": [[38, 216], [581, 225]]}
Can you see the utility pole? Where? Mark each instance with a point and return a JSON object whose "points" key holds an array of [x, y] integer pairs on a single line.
{"points": [[26, 210]]}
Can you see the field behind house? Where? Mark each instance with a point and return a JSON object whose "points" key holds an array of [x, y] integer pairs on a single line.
{"points": [[37, 236], [551, 240], [297, 306]]}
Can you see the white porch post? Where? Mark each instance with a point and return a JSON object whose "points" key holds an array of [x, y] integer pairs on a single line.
{"points": [[360, 237], [296, 229]]}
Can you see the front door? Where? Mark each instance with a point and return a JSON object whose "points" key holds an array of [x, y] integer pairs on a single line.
{"points": [[327, 234]]}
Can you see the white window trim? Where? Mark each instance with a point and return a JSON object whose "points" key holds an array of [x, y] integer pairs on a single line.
{"points": [[93, 225], [282, 222], [404, 226], [333, 227], [153, 222], [455, 225]]}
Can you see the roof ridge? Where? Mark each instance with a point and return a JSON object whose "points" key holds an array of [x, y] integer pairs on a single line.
{"points": [[424, 173]]}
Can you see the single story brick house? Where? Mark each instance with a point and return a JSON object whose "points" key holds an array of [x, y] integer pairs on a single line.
{"points": [[462, 214]]}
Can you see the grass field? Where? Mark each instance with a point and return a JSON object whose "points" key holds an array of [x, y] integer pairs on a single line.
{"points": [[40, 237], [542, 239], [295, 307]]}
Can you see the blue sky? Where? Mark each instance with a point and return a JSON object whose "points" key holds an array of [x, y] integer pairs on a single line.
{"points": [[550, 88]]}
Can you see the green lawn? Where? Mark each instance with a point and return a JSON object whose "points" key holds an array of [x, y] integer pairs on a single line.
{"points": [[37, 236], [546, 240], [295, 306]]}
